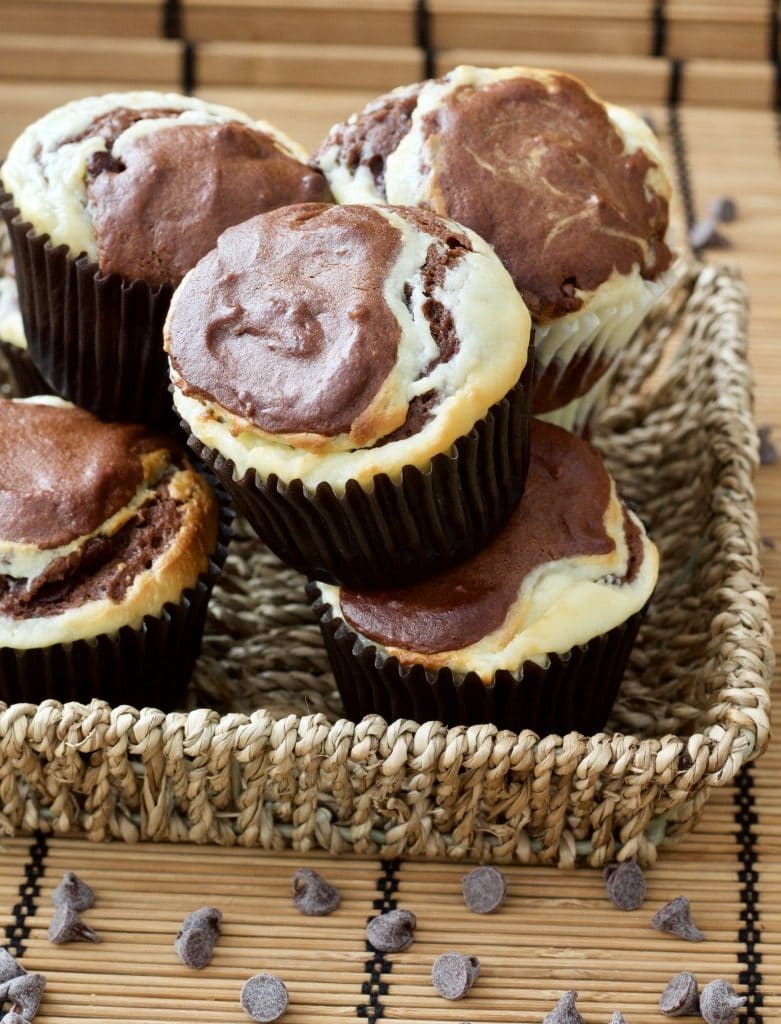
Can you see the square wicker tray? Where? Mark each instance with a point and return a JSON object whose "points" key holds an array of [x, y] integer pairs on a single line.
{"points": [[693, 707]]}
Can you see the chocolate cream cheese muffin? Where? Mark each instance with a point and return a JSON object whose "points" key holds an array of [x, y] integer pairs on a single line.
{"points": [[533, 631], [24, 378], [570, 191], [359, 378], [112, 199], [108, 548]]}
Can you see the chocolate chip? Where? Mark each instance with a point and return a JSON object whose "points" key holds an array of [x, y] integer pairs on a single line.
{"points": [[12, 1017], [313, 895], [484, 890], [625, 884], [681, 997], [102, 161], [704, 234], [24, 993], [9, 968], [719, 1003], [204, 917], [453, 974], [676, 917], [565, 1012], [264, 998], [768, 453], [724, 209], [617, 1018], [195, 947], [67, 926], [392, 932], [73, 892]]}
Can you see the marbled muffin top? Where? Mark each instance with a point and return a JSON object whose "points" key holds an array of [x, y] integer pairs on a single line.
{"points": [[145, 182], [570, 564], [100, 523], [323, 339], [570, 191]]}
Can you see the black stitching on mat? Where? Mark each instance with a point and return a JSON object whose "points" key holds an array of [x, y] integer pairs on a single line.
{"points": [[172, 19], [678, 142], [423, 34], [377, 966], [189, 83], [750, 935], [659, 39], [773, 26], [18, 931]]}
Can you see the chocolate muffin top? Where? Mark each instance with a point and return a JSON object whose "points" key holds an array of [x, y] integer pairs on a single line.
{"points": [[568, 190], [316, 333], [144, 183], [571, 563]]}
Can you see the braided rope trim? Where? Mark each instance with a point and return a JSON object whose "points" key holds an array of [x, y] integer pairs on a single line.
{"points": [[693, 706]]}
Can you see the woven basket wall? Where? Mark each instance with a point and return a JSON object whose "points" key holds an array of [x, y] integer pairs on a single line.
{"points": [[693, 707]]}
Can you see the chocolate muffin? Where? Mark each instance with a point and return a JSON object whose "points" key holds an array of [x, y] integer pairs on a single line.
{"points": [[108, 551], [570, 191], [24, 378], [110, 201], [533, 631], [358, 377]]}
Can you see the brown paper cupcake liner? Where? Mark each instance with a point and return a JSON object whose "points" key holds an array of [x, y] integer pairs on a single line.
{"points": [[148, 666], [395, 532], [96, 339], [574, 693], [24, 378]]}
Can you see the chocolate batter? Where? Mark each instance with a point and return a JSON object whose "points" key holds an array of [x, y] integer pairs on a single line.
{"points": [[544, 177], [163, 206], [63, 472], [560, 516]]}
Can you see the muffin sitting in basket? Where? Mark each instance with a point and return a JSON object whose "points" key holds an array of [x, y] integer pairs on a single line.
{"points": [[359, 378], [111, 200]]}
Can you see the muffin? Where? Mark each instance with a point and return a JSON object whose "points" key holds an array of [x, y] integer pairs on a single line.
{"points": [[533, 631], [110, 201], [358, 377], [24, 378], [109, 547], [570, 191]]}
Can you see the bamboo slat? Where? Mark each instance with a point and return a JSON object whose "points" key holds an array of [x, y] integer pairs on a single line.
{"points": [[120, 18], [155, 62]]}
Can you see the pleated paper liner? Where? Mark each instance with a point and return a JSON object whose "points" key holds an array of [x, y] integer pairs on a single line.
{"points": [[147, 666], [24, 378], [394, 532], [574, 693], [96, 339]]}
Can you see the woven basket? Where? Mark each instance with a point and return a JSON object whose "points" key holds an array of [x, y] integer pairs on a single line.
{"points": [[693, 707]]}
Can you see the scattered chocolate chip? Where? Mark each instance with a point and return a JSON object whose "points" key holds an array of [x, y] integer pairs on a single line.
{"points": [[392, 932], [719, 1003], [73, 892], [625, 884], [313, 895], [676, 917], [617, 1018], [484, 890], [724, 209], [565, 1012], [681, 998], [453, 974], [204, 917], [67, 926], [768, 453], [704, 234], [12, 1017], [9, 968], [264, 998], [195, 947], [25, 993]]}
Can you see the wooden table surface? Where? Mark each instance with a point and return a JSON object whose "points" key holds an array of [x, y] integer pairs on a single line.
{"points": [[561, 936]]}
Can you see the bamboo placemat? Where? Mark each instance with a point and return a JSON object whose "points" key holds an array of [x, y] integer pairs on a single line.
{"points": [[557, 930]]}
